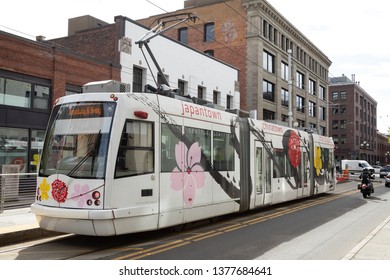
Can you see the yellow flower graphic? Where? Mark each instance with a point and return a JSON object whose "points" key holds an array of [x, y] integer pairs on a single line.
{"points": [[44, 187], [36, 160], [317, 160]]}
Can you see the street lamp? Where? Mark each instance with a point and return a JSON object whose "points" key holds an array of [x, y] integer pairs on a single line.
{"points": [[365, 145], [387, 154]]}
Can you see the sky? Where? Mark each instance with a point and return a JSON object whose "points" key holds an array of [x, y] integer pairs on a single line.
{"points": [[353, 34]]}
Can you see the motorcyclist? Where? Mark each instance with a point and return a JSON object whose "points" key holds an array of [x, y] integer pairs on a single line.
{"points": [[366, 177]]}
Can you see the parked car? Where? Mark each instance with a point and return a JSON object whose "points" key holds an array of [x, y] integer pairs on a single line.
{"points": [[387, 180], [377, 168], [384, 171]]}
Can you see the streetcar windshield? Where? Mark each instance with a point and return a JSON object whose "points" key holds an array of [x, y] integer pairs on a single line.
{"points": [[77, 140]]}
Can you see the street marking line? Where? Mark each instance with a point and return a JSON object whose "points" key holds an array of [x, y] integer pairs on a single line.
{"points": [[231, 227]]}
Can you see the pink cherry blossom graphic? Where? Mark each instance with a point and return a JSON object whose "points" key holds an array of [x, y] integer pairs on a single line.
{"points": [[189, 174], [81, 194]]}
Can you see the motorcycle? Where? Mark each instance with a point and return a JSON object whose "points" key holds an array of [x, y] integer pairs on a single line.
{"points": [[366, 189]]}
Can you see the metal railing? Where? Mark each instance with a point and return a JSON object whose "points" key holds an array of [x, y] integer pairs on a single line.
{"points": [[17, 190]]}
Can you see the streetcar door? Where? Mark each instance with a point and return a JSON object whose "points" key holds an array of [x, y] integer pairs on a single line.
{"points": [[262, 177], [303, 189]]}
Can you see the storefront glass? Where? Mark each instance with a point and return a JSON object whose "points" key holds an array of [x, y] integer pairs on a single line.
{"points": [[15, 93], [37, 137], [13, 148]]}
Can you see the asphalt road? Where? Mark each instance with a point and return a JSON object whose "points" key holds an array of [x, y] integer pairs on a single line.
{"points": [[325, 227]]}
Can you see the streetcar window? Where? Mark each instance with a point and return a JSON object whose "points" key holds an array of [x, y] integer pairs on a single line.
{"points": [[203, 138], [77, 140], [170, 137], [223, 151], [282, 168], [136, 150], [280, 164]]}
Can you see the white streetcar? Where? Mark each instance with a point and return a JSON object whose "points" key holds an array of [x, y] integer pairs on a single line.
{"points": [[116, 163]]}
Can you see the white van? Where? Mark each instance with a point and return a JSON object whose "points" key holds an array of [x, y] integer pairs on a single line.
{"points": [[356, 166]]}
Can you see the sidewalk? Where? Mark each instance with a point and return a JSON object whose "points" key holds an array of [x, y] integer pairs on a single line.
{"points": [[20, 225], [376, 246]]}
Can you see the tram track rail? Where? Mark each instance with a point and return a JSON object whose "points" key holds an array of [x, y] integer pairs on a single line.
{"points": [[143, 246]]}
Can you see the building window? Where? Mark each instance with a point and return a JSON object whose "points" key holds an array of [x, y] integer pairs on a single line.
{"points": [[284, 71], [301, 123], [182, 86], [343, 95], [216, 97], [183, 35], [284, 97], [322, 93], [160, 80], [268, 91], [13, 143], [137, 79], [343, 109], [209, 32], [201, 92], [300, 80], [343, 124], [209, 52], [268, 115], [229, 101], [41, 97], [72, 89], [335, 124], [335, 96], [322, 113], [322, 130], [312, 109], [312, 87], [268, 61], [34, 94], [36, 144], [15, 93], [300, 106]]}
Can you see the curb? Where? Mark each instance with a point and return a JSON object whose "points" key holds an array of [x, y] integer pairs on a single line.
{"points": [[358, 247], [15, 237]]}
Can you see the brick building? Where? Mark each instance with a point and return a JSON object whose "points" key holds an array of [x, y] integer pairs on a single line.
{"points": [[33, 74], [254, 37], [182, 66], [201, 35], [353, 119]]}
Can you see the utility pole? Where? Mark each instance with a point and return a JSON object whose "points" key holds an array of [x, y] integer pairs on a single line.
{"points": [[290, 95]]}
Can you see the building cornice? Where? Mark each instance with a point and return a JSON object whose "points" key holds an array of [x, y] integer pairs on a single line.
{"points": [[263, 7]]}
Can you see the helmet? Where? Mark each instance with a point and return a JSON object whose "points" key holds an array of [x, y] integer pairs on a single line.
{"points": [[365, 170]]}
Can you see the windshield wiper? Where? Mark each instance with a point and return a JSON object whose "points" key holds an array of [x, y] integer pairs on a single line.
{"points": [[95, 150], [84, 159], [92, 153]]}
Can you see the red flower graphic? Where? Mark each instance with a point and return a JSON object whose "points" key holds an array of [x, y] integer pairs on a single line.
{"points": [[294, 150], [59, 191]]}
